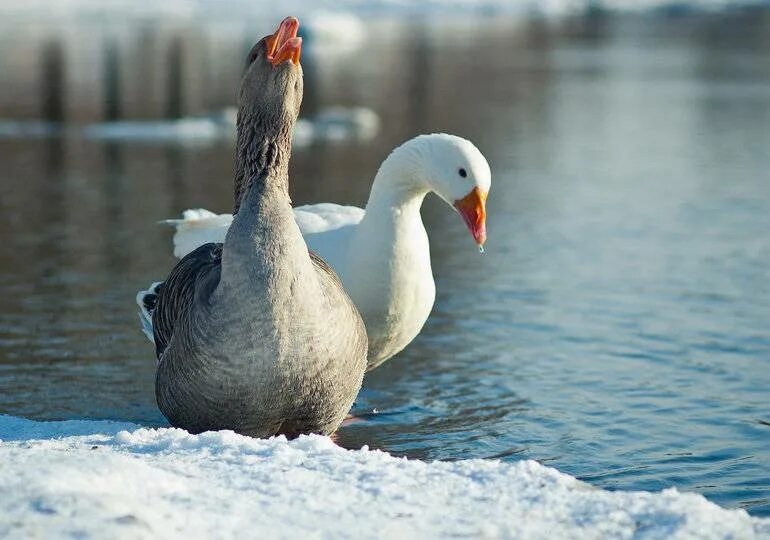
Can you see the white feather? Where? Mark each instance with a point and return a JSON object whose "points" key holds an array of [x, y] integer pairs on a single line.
{"points": [[198, 227], [145, 316]]}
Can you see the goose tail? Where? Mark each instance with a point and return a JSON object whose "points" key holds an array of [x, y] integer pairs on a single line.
{"points": [[198, 227], [146, 300]]}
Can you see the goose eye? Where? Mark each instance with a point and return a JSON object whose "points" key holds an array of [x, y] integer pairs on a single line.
{"points": [[250, 59], [253, 53], [463, 172]]}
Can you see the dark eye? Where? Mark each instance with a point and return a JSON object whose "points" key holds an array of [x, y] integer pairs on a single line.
{"points": [[250, 59], [253, 53], [463, 172]]}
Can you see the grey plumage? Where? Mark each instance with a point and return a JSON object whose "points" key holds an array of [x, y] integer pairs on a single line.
{"points": [[189, 285], [257, 335]]}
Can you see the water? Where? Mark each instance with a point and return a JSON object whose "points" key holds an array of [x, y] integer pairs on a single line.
{"points": [[617, 325]]}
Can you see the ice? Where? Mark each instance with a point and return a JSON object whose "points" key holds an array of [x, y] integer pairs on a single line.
{"points": [[95, 479]]}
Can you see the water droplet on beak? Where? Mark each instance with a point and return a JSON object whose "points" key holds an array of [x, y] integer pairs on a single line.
{"points": [[481, 249]]}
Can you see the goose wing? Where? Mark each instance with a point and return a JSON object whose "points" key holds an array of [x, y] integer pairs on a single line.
{"points": [[189, 285]]}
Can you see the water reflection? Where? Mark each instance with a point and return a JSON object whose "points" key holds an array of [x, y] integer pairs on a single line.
{"points": [[616, 325], [52, 84]]}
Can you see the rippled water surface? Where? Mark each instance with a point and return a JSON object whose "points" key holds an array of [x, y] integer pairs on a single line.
{"points": [[618, 326]]}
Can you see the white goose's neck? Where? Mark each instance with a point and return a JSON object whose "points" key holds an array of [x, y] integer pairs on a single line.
{"points": [[399, 188], [388, 273]]}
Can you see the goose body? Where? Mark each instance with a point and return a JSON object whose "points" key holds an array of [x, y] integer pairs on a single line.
{"points": [[381, 253], [256, 334]]}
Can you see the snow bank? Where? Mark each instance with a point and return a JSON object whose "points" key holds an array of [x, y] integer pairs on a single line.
{"points": [[111, 480]]}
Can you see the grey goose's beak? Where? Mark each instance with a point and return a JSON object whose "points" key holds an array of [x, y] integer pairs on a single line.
{"points": [[284, 45]]}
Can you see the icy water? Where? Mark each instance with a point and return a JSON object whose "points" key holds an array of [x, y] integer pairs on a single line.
{"points": [[618, 325]]}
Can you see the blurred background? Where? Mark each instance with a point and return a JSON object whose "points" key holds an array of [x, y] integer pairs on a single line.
{"points": [[618, 326]]}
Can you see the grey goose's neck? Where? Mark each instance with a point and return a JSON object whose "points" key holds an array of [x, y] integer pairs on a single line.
{"points": [[263, 244], [262, 152]]}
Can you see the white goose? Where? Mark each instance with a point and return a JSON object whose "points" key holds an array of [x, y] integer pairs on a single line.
{"points": [[382, 253]]}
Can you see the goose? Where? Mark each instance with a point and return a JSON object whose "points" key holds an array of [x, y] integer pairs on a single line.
{"points": [[381, 253], [256, 334]]}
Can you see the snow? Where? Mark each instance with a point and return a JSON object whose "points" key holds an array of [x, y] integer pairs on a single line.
{"points": [[331, 124], [184, 129], [28, 129], [338, 124], [97, 479]]}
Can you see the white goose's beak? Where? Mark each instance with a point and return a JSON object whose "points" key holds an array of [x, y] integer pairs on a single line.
{"points": [[473, 209]]}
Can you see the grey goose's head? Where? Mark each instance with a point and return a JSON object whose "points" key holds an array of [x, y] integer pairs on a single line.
{"points": [[268, 106], [271, 87]]}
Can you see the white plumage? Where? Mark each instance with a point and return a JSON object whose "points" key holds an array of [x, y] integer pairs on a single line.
{"points": [[381, 254], [198, 227]]}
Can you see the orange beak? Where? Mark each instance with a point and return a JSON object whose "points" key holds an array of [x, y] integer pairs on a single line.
{"points": [[284, 45], [473, 209]]}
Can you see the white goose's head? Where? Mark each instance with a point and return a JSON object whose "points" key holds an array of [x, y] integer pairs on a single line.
{"points": [[454, 169]]}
